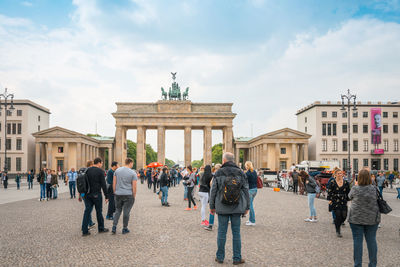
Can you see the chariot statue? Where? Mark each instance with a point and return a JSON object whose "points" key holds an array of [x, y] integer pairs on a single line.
{"points": [[174, 92]]}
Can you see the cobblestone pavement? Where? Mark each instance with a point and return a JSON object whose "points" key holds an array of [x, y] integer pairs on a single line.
{"points": [[37, 233]]}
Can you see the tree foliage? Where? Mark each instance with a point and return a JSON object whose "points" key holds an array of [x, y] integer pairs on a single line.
{"points": [[217, 153], [197, 163], [151, 155]]}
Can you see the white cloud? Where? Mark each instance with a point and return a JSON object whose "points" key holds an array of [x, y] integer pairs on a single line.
{"points": [[27, 3]]}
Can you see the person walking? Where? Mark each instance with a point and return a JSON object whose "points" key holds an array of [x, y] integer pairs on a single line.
{"points": [[251, 176], [230, 200], [148, 176], [124, 186], [154, 175], [310, 186], [54, 184], [111, 199], [391, 178], [48, 185], [4, 178], [338, 195], [190, 185], [164, 187], [364, 218], [295, 178], [204, 191], [398, 187], [141, 174], [30, 180], [42, 182], [18, 180], [72, 175], [212, 216], [96, 182], [380, 180]]}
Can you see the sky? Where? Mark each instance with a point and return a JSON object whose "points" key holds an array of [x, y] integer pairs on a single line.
{"points": [[269, 58]]}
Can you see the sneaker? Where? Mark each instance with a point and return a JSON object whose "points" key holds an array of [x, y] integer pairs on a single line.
{"points": [[105, 230], [86, 234], [195, 207], [247, 222], [92, 225], [238, 262], [339, 235], [208, 227], [114, 230], [219, 261], [307, 220], [185, 199], [125, 231], [314, 220], [188, 209], [203, 223]]}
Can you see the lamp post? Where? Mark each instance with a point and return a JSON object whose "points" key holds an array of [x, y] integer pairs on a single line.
{"points": [[6, 96], [349, 97]]}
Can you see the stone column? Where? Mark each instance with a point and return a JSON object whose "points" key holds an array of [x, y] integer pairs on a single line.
{"points": [[87, 153], [144, 149], [245, 155], [294, 157], [301, 152], [228, 139], [264, 156], [256, 157], [161, 144], [207, 145], [66, 155], [78, 163], [188, 146], [140, 161], [49, 155], [305, 151], [277, 156], [110, 157], [37, 158], [259, 156], [237, 155], [119, 144]]}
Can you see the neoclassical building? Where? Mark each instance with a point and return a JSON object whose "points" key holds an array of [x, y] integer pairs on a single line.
{"points": [[276, 150], [61, 149]]}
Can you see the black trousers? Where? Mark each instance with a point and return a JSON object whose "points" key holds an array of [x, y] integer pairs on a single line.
{"points": [[149, 182], [341, 215], [48, 191], [111, 202], [155, 185], [190, 196], [295, 187]]}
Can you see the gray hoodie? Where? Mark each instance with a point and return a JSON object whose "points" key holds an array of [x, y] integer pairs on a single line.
{"points": [[364, 208]]}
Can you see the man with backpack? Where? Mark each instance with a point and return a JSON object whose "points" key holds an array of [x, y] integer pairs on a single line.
{"points": [[295, 177], [230, 200]]}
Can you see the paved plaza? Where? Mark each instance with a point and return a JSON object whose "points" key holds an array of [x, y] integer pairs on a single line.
{"points": [[37, 233]]}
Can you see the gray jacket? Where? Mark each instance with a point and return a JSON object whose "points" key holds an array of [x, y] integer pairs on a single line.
{"points": [[311, 185], [229, 169], [364, 208]]}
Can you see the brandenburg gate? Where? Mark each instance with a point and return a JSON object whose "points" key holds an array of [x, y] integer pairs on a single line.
{"points": [[173, 112]]}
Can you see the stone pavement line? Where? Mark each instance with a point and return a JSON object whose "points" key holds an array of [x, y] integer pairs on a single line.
{"points": [[37, 233]]}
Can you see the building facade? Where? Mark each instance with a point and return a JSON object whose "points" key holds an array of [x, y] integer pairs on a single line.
{"points": [[61, 149], [26, 118], [374, 133], [276, 150]]}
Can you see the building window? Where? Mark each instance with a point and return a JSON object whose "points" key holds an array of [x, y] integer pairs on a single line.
{"points": [[365, 146], [385, 128], [18, 164], [334, 129], [396, 165], [305, 119], [282, 165], [324, 145], [19, 128], [305, 129], [329, 129], [365, 128], [0, 125], [344, 164], [8, 128], [395, 128], [395, 114], [385, 114], [283, 150], [355, 145], [9, 113], [344, 114], [386, 164], [365, 114], [38, 118], [8, 144], [60, 149], [344, 128], [355, 114], [355, 128], [8, 163], [365, 162], [38, 128], [19, 144], [324, 129], [334, 145], [355, 165], [19, 112], [334, 114], [14, 128], [396, 145], [386, 145], [324, 114], [344, 143]]}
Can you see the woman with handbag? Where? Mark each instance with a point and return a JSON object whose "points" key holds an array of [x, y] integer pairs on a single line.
{"points": [[251, 176], [338, 195], [364, 217], [204, 191]]}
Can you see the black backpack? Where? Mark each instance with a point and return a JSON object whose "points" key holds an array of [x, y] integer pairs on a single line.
{"points": [[231, 190], [82, 183]]}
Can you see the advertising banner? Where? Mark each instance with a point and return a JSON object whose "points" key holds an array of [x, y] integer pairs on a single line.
{"points": [[376, 125]]}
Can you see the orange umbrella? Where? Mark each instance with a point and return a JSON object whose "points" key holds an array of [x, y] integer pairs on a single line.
{"points": [[155, 165]]}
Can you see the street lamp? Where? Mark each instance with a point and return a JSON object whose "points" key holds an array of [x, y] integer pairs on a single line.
{"points": [[6, 96], [349, 97]]}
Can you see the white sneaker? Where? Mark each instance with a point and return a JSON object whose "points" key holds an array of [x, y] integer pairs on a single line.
{"points": [[250, 224], [308, 220], [314, 220], [247, 222]]}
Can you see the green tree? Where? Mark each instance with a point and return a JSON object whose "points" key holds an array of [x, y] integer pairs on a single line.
{"points": [[197, 163], [151, 155], [169, 163], [93, 135], [131, 152], [217, 153]]}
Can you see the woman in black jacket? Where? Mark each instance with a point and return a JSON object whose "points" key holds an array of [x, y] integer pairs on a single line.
{"points": [[251, 176], [164, 187], [204, 192]]}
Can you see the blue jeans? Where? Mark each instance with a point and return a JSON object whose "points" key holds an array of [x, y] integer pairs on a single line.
{"points": [[55, 192], [42, 191], [91, 200], [30, 184], [398, 192], [164, 197], [185, 193], [72, 188], [369, 231], [380, 189], [311, 197], [221, 239], [211, 220], [253, 193], [18, 185]]}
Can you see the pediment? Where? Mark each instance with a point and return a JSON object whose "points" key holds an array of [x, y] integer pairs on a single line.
{"points": [[286, 133], [57, 132]]}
